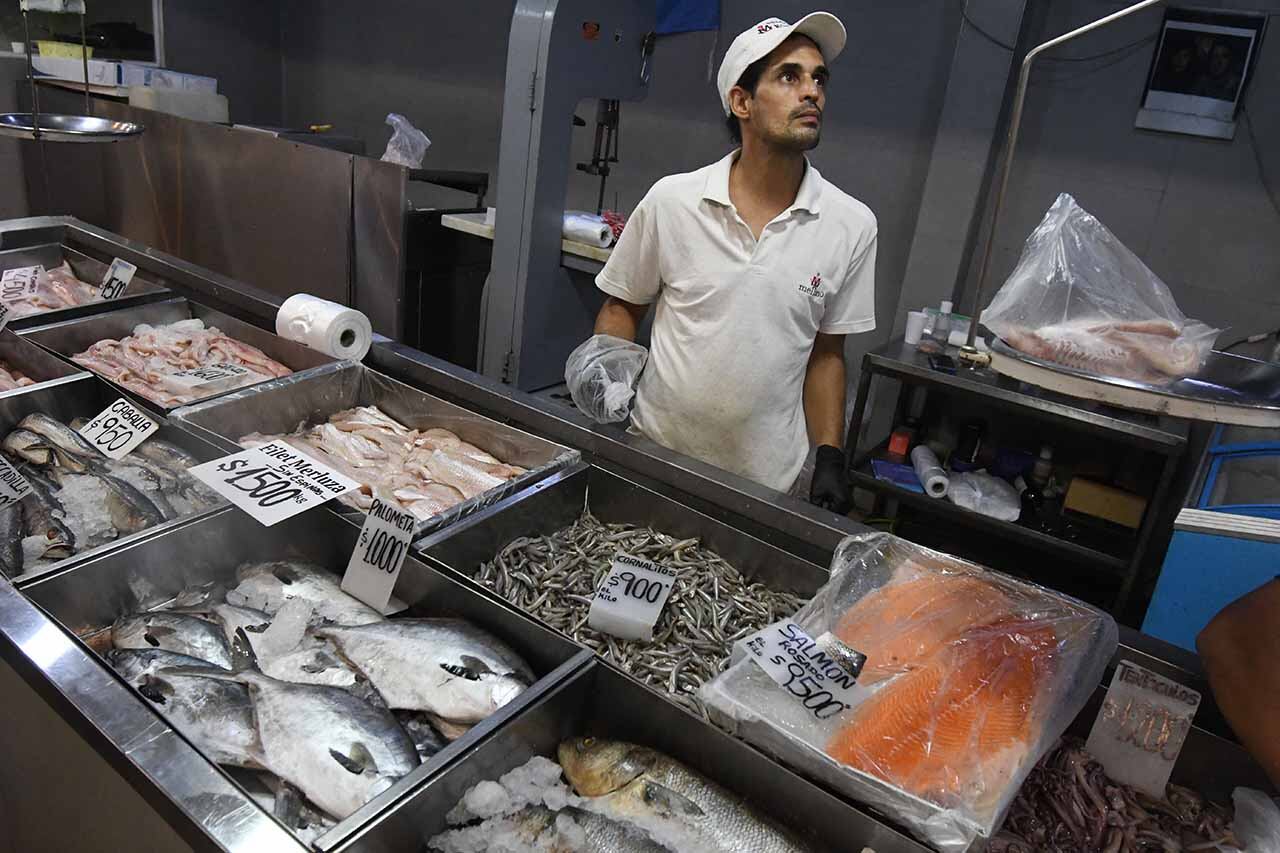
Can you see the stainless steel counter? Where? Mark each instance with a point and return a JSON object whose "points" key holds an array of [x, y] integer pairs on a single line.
{"points": [[39, 623]]}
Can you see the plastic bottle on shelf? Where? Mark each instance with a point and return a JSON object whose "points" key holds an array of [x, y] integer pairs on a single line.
{"points": [[1042, 470], [941, 331]]}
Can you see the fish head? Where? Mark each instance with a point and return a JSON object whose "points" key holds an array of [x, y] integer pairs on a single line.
{"points": [[598, 766], [140, 632], [29, 446]]}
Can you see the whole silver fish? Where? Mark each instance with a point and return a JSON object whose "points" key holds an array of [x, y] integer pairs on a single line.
{"points": [[267, 586], [27, 445], [166, 455], [216, 715], [71, 449], [338, 750], [445, 667], [671, 803], [130, 509], [174, 632], [537, 828], [11, 527]]}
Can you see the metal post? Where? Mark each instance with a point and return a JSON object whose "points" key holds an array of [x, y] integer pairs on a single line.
{"points": [[84, 58], [31, 79], [1011, 140]]}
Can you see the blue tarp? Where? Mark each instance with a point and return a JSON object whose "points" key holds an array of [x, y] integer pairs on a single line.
{"points": [[685, 16]]}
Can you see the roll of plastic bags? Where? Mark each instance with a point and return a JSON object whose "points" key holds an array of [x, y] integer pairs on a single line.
{"points": [[601, 374], [1078, 297], [588, 229], [930, 472]]}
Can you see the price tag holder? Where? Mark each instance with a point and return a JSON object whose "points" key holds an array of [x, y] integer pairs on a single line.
{"points": [[273, 482], [13, 486], [118, 276], [821, 674], [119, 429], [631, 597], [20, 283], [209, 377], [1140, 729], [379, 553]]}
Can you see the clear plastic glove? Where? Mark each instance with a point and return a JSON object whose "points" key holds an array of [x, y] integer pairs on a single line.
{"points": [[407, 145], [1257, 821], [601, 374]]}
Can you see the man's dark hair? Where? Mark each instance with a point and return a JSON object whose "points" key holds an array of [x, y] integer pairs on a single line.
{"points": [[749, 80]]}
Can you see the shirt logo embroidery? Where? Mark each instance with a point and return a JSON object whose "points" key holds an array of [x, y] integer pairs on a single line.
{"points": [[814, 287]]}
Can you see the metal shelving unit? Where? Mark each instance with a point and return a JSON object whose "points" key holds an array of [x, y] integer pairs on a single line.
{"points": [[1118, 557]]}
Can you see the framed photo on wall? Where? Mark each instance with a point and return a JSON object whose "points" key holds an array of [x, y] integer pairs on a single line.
{"points": [[1201, 68]]}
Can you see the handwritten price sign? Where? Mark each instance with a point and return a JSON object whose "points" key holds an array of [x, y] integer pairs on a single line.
{"points": [[822, 674], [379, 553], [630, 600], [273, 482], [118, 276], [119, 429]]}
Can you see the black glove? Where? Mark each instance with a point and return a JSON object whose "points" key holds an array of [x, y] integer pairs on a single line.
{"points": [[830, 487]]}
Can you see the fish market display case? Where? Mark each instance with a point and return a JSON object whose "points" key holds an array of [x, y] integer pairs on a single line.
{"points": [[598, 701], [33, 362], [88, 596], [71, 337], [49, 245], [84, 396], [283, 405]]}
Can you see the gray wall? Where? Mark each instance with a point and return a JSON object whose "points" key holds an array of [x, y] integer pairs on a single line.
{"points": [[237, 41], [13, 190], [445, 72], [1195, 210]]}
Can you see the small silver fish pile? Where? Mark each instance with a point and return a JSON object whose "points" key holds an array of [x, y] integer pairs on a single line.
{"points": [[81, 499], [620, 796], [712, 606], [328, 701], [1068, 803]]}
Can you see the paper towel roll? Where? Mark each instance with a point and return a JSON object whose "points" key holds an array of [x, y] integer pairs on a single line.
{"points": [[326, 326], [930, 472], [591, 230]]}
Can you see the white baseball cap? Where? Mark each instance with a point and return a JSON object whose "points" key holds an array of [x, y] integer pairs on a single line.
{"points": [[758, 41]]}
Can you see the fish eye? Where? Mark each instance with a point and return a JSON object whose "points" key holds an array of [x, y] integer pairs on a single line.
{"points": [[588, 742]]}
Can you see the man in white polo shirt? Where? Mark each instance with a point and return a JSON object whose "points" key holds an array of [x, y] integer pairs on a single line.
{"points": [[759, 267]]}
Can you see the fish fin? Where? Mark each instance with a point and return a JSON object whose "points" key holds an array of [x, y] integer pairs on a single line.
{"points": [[670, 803], [242, 655], [459, 671], [359, 761], [477, 666], [155, 688], [288, 805], [284, 573]]}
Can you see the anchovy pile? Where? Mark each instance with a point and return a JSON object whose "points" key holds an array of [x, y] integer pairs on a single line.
{"points": [[554, 578], [1068, 803]]}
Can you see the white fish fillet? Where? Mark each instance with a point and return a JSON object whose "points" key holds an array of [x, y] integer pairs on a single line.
{"points": [[422, 471], [143, 361], [1149, 351], [56, 288], [10, 378]]}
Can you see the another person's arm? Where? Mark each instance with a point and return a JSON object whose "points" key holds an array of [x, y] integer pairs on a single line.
{"points": [[620, 318], [824, 391], [1240, 649]]}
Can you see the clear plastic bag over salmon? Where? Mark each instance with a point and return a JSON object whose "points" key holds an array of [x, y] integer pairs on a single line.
{"points": [[970, 676], [1080, 298]]}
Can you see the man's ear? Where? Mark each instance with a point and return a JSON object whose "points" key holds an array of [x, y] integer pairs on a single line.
{"points": [[740, 103]]}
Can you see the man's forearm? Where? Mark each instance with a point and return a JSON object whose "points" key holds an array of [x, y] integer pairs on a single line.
{"points": [[824, 393], [620, 319]]}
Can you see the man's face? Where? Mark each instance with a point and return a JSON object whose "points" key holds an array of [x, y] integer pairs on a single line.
{"points": [[786, 110]]}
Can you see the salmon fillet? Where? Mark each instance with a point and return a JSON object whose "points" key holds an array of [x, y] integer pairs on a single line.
{"points": [[899, 626], [957, 727]]}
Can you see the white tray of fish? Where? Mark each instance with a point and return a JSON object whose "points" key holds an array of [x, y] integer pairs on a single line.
{"points": [[430, 457], [70, 286], [81, 502], [324, 711], [545, 551], [142, 350], [24, 365], [601, 764]]}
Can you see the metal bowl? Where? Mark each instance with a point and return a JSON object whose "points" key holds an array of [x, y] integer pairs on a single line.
{"points": [[64, 128]]}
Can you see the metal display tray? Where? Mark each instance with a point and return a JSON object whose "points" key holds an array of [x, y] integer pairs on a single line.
{"points": [[83, 396], [283, 405], [72, 337], [87, 597], [145, 287], [33, 362], [561, 499], [599, 701]]}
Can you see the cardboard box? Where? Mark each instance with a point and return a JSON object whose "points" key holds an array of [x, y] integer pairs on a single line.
{"points": [[1105, 502], [135, 74], [101, 72]]}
